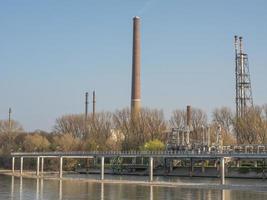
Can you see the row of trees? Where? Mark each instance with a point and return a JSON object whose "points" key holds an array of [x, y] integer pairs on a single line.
{"points": [[118, 131]]}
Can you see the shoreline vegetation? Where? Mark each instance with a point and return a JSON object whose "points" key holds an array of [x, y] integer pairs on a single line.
{"points": [[119, 131]]}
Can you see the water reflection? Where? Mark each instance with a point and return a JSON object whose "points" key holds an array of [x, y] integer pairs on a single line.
{"points": [[42, 189], [151, 192], [60, 190], [102, 191], [12, 187], [24, 188], [20, 188], [37, 189]]}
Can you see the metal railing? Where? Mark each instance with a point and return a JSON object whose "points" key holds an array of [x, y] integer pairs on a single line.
{"points": [[141, 153]]}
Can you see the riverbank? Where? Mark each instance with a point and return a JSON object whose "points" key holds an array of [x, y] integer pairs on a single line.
{"points": [[209, 172], [53, 176]]}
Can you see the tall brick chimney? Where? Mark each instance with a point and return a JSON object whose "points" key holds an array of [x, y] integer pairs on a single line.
{"points": [[136, 68]]}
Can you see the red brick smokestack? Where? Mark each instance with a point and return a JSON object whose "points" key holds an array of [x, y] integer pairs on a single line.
{"points": [[188, 116], [136, 67]]}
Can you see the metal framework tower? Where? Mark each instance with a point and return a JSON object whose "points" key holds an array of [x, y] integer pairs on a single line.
{"points": [[243, 84]]}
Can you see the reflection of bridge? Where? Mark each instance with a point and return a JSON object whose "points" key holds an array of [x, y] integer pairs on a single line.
{"points": [[40, 189], [206, 155]]}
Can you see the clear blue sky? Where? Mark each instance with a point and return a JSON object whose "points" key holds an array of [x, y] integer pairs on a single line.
{"points": [[51, 52]]}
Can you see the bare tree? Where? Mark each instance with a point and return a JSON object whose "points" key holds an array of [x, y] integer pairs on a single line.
{"points": [[71, 124], [100, 128], [224, 116], [65, 142], [35, 142], [251, 128], [14, 126], [178, 119], [148, 125]]}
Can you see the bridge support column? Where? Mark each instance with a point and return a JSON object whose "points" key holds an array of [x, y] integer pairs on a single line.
{"points": [[256, 163], [21, 165], [37, 166], [42, 165], [203, 166], [238, 163], [151, 169], [13, 165], [222, 171], [171, 165], [102, 167], [60, 166], [191, 172]]}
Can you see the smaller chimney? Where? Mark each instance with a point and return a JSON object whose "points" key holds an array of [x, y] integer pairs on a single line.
{"points": [[9, 118], [86, 105], [94, 102], [188, 116]]}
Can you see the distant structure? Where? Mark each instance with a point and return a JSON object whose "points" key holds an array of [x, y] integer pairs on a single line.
{"points": [[243, 84], [136, 68], [94, 104], [179, 138], [86, 105], [188, 123], [188, 116], [9, 119]]}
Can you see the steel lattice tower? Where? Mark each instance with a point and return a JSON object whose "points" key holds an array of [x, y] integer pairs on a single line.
{"points": [[243, 84]]}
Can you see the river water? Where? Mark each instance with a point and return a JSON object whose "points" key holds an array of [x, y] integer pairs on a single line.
{"points": [[29, 189]]}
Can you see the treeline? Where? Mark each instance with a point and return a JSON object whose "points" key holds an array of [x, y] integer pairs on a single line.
{"points": [[118, 131]]}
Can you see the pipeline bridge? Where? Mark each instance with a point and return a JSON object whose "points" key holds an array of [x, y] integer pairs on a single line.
{"points": [[221, 156]]}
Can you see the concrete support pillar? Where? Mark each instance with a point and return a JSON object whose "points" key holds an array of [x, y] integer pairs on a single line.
{"points": [[13, 165], [203, 166], [60, 166], [238, 163], [191, 173], [37, 166], [95, 161], [102, 167], [151, 169], [171, 164], [256, 163], [42, 165], [21, 165], [222, 171]]}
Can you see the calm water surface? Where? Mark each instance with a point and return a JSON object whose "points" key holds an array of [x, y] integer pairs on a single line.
{"points": [[24, 188]]}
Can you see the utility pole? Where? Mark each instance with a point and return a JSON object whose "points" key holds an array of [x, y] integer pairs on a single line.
{"points": [[94, 103], [86, 105], [9, 119]]}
